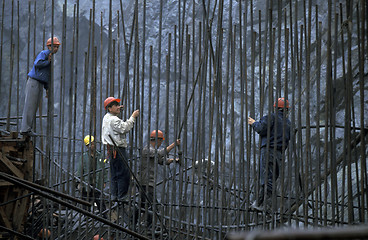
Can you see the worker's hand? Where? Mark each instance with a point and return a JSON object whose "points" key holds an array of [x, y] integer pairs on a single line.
{"points": [[177, 142], [47, 93], [172, 160], [135, 113], [50, 55], [250, 120]]}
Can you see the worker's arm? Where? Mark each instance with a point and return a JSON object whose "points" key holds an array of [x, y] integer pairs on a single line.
{"points": [[42, 60], [120, 126], [170, 147], [261, 126]]}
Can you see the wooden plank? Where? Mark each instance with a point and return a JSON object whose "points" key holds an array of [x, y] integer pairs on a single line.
{"points": [[7, 149], [11, 166], [13, 215], [5, 183], [5, 197], [4, 218], [20, 212]]}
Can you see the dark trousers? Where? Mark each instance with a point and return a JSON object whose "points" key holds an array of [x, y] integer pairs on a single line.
{"points": [[120, 175], [146, 204], [273, 159]]}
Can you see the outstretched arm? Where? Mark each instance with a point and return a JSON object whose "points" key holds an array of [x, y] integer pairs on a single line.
{"points": [[261, 126], [251, 121], [170, 147]]}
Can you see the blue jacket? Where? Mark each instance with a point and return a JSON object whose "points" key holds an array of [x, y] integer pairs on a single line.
{"points": [[41, 70], [261, 128]]}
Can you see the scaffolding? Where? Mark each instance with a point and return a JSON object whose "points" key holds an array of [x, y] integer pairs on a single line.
{"points": [[196, 70]]}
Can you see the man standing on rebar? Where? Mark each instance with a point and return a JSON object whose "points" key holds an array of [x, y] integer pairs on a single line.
{"points": [[91, 169], [114, 132], [266, 126], [147, 167], [39, 78]]}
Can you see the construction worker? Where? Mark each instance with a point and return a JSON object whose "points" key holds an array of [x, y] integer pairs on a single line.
{"points": [[279, 139], [114, 132], [147, 166], [39, 77], [91, 169]]}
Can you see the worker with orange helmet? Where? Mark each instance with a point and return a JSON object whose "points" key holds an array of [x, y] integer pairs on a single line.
{"points": [[151, 155], [277, 127], [44, 233], [114, 136], [97, 237], [39, 78]]}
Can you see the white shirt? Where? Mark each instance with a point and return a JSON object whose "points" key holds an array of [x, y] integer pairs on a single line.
{"points": [[116, 128]]}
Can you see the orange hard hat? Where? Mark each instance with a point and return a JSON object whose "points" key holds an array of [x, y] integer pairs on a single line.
{"points": [[44, 232], [97, 237], [110, 100], [160, 135], [281, 103], [56, 41]]}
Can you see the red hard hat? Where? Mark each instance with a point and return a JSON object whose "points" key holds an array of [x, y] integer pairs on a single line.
{"points": [[281, 102], [44, 232], [97, 237], [56, 41], [109, 100], [160, 134]]}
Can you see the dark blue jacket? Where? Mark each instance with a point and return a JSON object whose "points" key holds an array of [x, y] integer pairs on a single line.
{"points": [[41, 70], [261, 128]]}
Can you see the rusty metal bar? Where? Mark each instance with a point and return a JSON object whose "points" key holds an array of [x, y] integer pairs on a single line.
{"points": [[361, 29], [11, 62], [45, 195], [48, 190], [23, 236], [2, 40], [336, 233]]}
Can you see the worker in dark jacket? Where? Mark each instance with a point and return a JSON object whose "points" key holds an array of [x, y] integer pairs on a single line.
{"points": [[39, 78], [278, 122]]}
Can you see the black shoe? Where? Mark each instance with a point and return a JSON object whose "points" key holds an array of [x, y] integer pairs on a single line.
{"points": [[256, 207], [124, 199]]}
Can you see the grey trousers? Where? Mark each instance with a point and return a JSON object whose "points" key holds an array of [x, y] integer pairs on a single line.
{"points": [[33, 96]]}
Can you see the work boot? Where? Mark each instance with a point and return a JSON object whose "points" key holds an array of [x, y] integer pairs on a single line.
{"points": [[257, 207], [268, 205], [29, 134], [125, 199]]}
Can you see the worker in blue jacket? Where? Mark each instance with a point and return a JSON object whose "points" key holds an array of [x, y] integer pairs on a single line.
{"points": [[39, 78], [280, 139]]}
